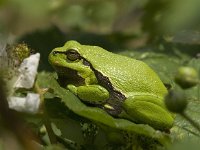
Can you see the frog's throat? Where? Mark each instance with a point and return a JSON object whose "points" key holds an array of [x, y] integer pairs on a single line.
{"points": [[68, 76], [115, 99]]}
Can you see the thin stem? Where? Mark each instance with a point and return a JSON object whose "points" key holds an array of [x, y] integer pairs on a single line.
{"points": [[52, 136], [46, 119]]}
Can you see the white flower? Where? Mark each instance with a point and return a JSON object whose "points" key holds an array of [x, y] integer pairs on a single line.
{"points": [[29, 104], [27, 72], [25, 80]]}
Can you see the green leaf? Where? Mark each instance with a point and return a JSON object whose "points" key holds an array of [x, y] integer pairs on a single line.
{"points": [[183, 128]]}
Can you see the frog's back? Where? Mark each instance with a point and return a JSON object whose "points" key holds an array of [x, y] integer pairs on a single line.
{"points": [[126, 74]]}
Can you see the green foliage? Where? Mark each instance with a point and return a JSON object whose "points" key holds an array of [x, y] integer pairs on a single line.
{"points": [[96, 114], [162, 33], [181, 130], [166, 65]]}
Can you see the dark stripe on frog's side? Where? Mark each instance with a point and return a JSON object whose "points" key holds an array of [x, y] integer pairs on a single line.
{"points": [[116, 98]]}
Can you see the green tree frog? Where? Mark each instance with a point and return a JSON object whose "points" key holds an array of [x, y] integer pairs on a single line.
{"points": [[122, 86]]}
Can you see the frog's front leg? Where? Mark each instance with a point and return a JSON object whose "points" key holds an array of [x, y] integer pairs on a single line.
{"points": [[149, 110], [92, 94]]}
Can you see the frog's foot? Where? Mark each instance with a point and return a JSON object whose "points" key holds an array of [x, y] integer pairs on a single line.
{"points": [[113, 110]]}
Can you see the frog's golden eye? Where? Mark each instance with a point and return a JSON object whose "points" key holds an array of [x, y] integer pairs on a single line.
{"points": [[72, 55]]}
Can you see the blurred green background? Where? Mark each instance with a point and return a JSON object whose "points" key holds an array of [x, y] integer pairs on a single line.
{"points": [[163, 33], [112, 24]]}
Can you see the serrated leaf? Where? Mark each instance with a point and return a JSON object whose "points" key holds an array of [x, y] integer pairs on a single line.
{"points": [[183, 128]]}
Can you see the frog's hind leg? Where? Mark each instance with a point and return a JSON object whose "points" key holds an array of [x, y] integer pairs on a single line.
{"points": [[148, 110]]}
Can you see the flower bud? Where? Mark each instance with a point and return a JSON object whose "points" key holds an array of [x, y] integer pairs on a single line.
{"points": [[186, 77], [176, 101]]}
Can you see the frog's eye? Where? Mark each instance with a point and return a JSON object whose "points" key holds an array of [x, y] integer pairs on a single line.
{"points": [[72, 55]]}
